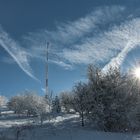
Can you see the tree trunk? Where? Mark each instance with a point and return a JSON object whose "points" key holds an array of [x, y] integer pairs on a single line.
{"points": [[82, 119], [41, 120]]}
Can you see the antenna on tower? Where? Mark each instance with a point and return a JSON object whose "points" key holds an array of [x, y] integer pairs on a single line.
{"points": [[47, 58]]}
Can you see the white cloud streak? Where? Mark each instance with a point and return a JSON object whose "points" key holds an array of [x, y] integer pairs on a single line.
{"points": [[130, 33], [81, 41], [76, 42], [62, 64], [70, 32], [16, 52], [112, 46]]}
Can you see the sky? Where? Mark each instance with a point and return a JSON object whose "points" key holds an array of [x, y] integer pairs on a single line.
{"points": [[80, 32]]}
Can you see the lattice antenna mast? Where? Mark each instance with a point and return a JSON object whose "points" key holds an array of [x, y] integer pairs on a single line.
{"points": [[47, 59]]}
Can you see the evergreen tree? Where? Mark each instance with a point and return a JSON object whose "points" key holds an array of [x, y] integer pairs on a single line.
{"points": [[56, 107]]}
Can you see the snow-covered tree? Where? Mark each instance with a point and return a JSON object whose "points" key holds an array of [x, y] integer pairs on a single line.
{"points": [[49, 100], [110, 100], [29, 103], [3, 101], [42, 108], [79, 102], [17, 104], [66, 99], [56, 107], [32, 101], [95, 107]]}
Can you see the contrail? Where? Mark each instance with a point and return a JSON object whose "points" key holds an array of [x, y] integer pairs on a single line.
{"points": [[131, 33], [16, 52], [118, 60]]}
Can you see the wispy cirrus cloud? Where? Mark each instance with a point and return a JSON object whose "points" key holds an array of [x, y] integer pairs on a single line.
{"points": [[71, 41], [62, 64], [129, 36], [70, 31], [111, 46], [16, 52], [99, 37], [106, 36]]}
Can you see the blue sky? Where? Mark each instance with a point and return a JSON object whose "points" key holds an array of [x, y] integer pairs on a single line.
{"points": [[102, 32]]}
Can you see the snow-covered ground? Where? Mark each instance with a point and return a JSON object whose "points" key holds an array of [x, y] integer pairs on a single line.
{"points": [[63, 127], [9, 119]]}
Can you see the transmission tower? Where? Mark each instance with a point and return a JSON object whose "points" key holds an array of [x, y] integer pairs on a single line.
{"points": [[47, 58]]}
